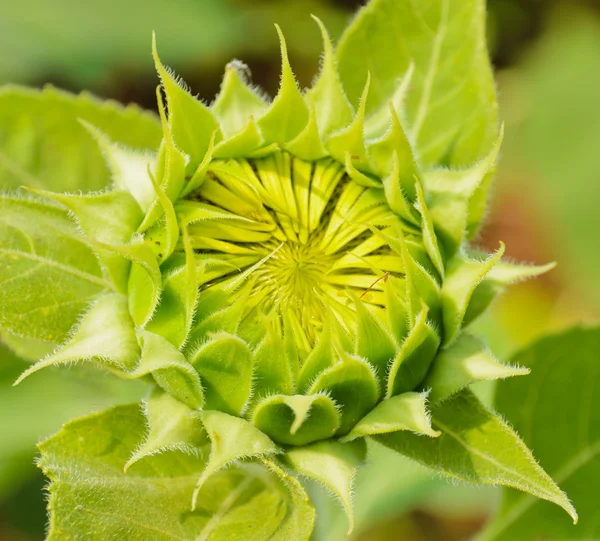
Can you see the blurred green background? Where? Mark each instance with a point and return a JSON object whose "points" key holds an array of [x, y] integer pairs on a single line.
{"points": [[547, 57]]}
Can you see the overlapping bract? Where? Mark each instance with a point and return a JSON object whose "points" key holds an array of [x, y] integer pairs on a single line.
{"points": [[263, 387]]}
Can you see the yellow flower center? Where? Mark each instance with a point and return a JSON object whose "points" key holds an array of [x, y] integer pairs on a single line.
{"points": [[300, 238]]}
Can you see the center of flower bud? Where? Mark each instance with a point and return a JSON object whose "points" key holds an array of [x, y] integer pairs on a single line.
{"points": [[292, 238]]}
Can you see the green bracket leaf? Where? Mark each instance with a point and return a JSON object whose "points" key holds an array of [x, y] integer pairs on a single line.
{"points": [[416, 354], [171, 426], [354, 387], [105, 335], [297, 419], [476, 445], [233, 439], [451, 111], [170, 369], [225, 366]]}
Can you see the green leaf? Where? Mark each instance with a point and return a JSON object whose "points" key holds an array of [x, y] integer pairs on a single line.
{"points": [[450, 106], [105, 335], [407, 411], [297, 419], [233, 439], [34, 123], [225, 367], [557, 411], [476, 445], [48, 273], [90, 495], [467, 360], [333, 464], [65, 394]]}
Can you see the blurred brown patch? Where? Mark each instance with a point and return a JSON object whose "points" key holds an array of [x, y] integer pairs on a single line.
{"points": [[420, 525]]}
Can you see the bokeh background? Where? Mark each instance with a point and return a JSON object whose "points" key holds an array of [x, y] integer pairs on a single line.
{"points": [[546, 204]]}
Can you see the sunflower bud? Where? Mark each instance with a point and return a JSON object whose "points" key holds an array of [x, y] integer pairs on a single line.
{"points": [[288, 273]]}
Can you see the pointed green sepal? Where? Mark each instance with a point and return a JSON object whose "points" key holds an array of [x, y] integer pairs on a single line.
{"points": [[233, 439], [297, 419], [301, 513], [463, 275], [170, 170], [164, 234], [224, 363], [128, 167], [170, 369], [373, 340], [416, 354], [106, 217], [457, 199], [272, 374], [429, 236], [320, 358], [288, 114], [395, 145], [237, 102], [172, 426], [308, 144], [327, 96], [191, 122], [174, 315], [351, 139], [502, 275], [105, 335], [145, 280], [407, 411], [467, 360], [395, 195], [241, 145], [359, 177], [332, 464]]}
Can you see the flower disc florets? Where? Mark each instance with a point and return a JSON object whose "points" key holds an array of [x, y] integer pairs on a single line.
{"points": [[304, 236]]}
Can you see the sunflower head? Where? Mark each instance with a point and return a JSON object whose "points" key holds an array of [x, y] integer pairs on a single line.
{"points": [[287, 272]]}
